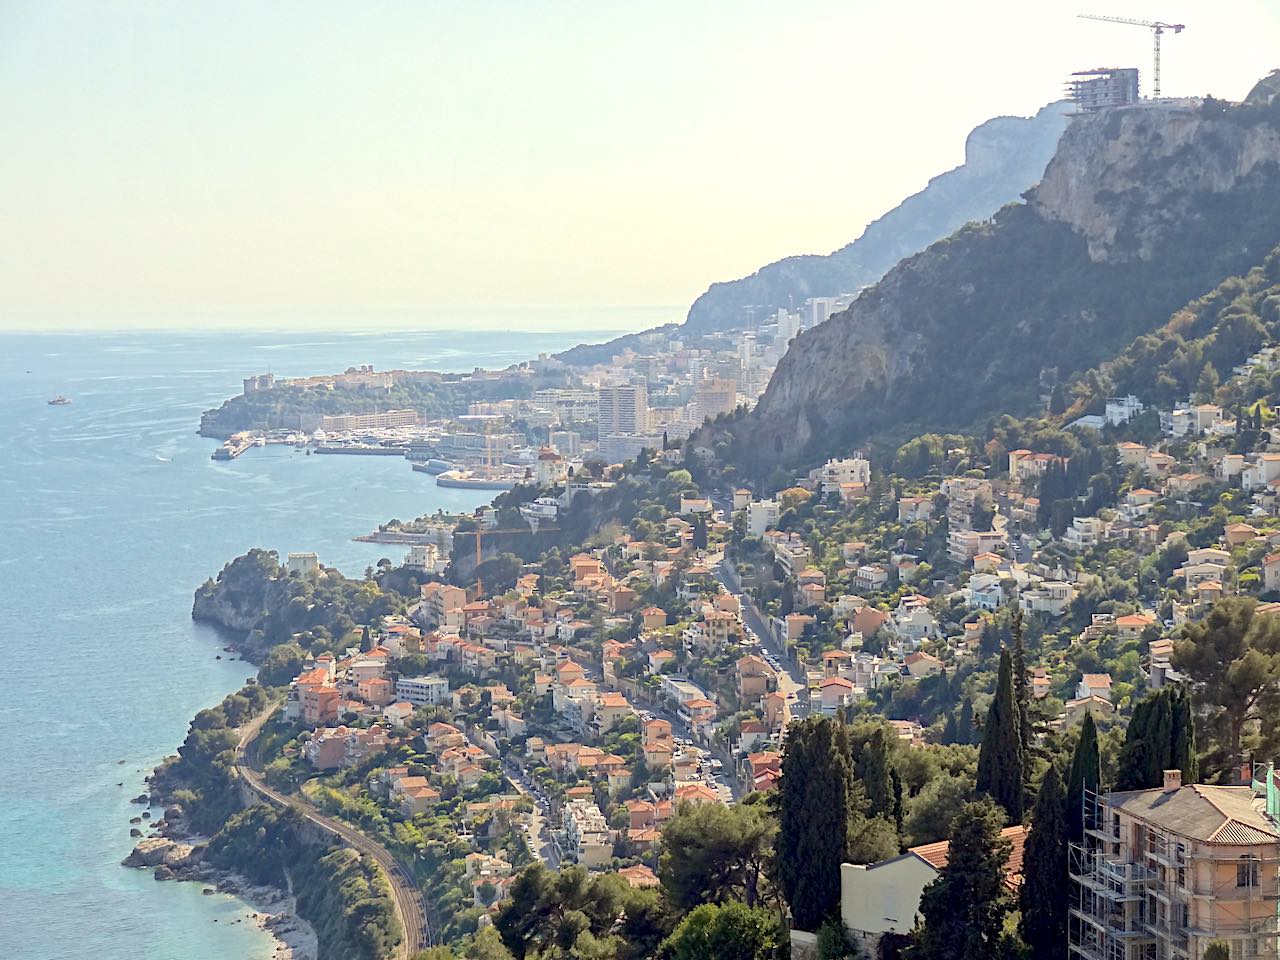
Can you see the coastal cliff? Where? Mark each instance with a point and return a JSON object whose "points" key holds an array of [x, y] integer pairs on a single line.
{"points": [[1003, 157], [1140, 210]]}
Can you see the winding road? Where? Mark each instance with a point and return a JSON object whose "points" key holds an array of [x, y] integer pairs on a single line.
{"points": [[405, 893]]}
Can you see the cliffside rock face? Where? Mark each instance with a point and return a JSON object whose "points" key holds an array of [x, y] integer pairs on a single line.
{"points": [[1003, 158], [1101, 183], [1140, 211]]}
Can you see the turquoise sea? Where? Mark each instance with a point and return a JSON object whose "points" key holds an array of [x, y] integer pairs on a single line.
{"points": [[111, 513]]}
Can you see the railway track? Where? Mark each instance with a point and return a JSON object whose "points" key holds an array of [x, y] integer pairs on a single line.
{"points": [[405, 893]]}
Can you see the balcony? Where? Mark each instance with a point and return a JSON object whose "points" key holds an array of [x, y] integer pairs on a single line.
{"points": [[1108, 878]]}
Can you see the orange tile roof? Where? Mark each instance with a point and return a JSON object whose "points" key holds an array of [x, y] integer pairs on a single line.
{"points": [[936, 854]]}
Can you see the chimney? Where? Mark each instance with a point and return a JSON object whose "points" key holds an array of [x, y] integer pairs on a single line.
{"points": [[1173, 779]]}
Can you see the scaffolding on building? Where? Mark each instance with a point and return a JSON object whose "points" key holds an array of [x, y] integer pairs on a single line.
{"points": [[1157, 895]]}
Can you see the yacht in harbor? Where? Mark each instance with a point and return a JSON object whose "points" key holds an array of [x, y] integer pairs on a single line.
{"points": [[59, 401]]}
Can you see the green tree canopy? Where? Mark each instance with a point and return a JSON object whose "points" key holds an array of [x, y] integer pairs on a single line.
{"points": [[822, 820], [1233, 659], [711, 853], [730, 931]]}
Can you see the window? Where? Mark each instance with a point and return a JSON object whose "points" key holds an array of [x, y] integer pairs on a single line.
{"points": [[1247, 871]]}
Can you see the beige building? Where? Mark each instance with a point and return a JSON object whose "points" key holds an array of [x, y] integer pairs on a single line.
{"points": [[884, 897], [1163, 873]]}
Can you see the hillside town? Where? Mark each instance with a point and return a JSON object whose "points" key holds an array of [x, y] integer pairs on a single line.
{"points": [[568, 715]]}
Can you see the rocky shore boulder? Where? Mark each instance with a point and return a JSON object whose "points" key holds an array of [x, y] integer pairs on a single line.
{"points": [[161, 851]]}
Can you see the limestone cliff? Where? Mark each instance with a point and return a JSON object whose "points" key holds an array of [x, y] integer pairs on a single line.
{"points": [[1003, 158], [1140, 210]]}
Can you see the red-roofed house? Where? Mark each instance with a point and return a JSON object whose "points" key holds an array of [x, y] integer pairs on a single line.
{"points": [[884, 897]]}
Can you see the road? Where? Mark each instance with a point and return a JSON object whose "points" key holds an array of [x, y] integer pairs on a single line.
{"points": [[791, 679], [405, 893], [539, 826]]}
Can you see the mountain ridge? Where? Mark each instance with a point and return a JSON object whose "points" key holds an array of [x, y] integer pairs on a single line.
{"points": [[1140, 211], [1004, 156]]}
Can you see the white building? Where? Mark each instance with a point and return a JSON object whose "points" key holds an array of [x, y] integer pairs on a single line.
{"points": [[586, 834], [762, 515], [623, 409], [424, 556], [1122, 409], [422, 691], [835, 473], [303, 564], [820, 309], [568, 443], [1051, 598]]}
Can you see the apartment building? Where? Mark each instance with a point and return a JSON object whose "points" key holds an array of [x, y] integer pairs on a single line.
{"points": [[623, 409], [586, 834], [422, 691], [1163, 873]]}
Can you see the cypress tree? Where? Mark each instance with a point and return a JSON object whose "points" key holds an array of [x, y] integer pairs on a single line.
{"points": [[1000, 758], [1021, 685], [1183, 752], [821, 819], [1160, 737], [875, 770], [1086, 774], [1046, 888], [1160, 752], [964, 909], [950, 730], [1132, 764], [964, 726]]}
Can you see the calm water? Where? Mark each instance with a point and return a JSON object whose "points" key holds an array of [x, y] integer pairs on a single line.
{"points": [[112, 514]]}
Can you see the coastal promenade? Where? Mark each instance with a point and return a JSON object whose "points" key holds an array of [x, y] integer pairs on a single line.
{"points": [[405, 893]]}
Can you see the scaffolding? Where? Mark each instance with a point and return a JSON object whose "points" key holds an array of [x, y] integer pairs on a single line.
{"points": [[1140, 892]]}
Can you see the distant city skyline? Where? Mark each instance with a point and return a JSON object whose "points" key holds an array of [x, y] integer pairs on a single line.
{"points": [[203, 164]]}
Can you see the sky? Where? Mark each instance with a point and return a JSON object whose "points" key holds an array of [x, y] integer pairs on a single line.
{"points": [[189, 160]]}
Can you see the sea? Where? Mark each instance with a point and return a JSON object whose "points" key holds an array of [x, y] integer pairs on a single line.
{"points": [[111, 514]]}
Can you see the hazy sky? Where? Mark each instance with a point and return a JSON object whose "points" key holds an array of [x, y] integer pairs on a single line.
{"points": [[271, 155]]}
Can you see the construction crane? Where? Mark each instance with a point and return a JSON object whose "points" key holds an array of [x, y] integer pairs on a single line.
{"points": [[480, 533], [1156, 27]]}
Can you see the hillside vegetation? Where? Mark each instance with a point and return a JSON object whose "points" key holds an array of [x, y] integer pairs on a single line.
{"points": [[1140, 212]]}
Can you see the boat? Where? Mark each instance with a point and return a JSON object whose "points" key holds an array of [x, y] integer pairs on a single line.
{"points": [[59, 401], [433, 466]]}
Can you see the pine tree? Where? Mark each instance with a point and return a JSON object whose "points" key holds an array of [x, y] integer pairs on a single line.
{"points": [[366, 642], [964, 909], [1086, 774], [1000, 758], [1046, 888]]}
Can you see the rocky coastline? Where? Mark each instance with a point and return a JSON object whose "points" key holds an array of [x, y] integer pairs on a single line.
{"points": [[171, 852]]}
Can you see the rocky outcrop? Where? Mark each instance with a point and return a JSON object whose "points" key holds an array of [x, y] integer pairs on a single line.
{"points": [[153, 852], [1003, 158], [1101, 182], [1140, 211]]}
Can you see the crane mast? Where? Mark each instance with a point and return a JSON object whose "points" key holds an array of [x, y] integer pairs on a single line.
{"points": [[1157, 29]]}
